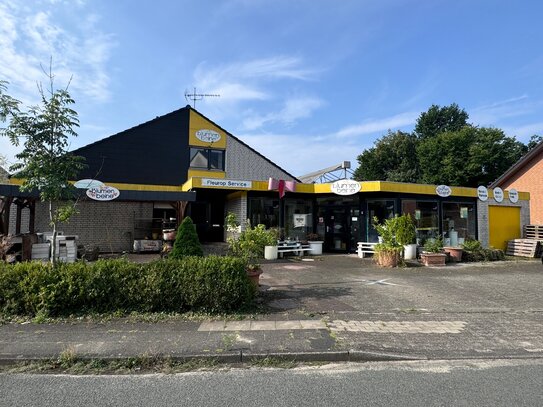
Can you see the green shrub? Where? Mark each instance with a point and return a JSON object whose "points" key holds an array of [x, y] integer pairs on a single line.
{"points": [[210, 284], [474, 251], [251, 242], [186, 242], [433, 245]]}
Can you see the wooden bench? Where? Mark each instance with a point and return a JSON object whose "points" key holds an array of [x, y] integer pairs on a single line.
{"points": [[297, 248], [365, 248]]}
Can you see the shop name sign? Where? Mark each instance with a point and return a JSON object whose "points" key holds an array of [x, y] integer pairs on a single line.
{"points": [[208, 136], [443, 190], [345, 187], [513, 195], [226, 183], [104, 193]]}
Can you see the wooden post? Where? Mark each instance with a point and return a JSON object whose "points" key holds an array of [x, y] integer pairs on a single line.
{"points": [[32, 219], [18, 217], [5, 206]]}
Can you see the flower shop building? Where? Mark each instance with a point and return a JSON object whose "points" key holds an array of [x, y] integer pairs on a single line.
{"points": [[183, 164]]}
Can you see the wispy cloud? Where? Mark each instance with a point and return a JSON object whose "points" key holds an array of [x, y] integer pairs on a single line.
{"points": [[29, 37], [293, 110], [379, 125], [524, 132], [491, 114]]}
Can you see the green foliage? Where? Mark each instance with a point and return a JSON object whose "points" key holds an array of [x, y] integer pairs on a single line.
{"points": [[393, 158], [251, 242], [406, 232], [186, 242], [433, 245], [474, 251], [387, 231], [440, 119], [212, 284]]}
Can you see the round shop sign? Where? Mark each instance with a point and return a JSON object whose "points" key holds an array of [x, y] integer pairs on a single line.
{"points": [[345, 187], [104, 193], [498, 194], [208, 136], [513, 195], [482, 193], [443, 191]]}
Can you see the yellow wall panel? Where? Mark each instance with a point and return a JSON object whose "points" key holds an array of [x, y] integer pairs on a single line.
{"points": [[503, 225], [197, 123], [206, 174]]}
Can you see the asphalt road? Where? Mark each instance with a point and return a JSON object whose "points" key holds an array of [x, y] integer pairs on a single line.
{"points": [[430, 383]]}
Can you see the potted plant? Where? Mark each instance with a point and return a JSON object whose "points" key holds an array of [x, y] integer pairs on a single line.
{"points": [[388, 250], [315, 243], [270, 243], [406, 235], [454, 252], [433, 253]]}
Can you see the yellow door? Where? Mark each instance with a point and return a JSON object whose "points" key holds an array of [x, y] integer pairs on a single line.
{"points": [[503, 224]]}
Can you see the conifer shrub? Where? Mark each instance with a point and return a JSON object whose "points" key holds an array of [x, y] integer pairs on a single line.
{"points": [[186, 242]]}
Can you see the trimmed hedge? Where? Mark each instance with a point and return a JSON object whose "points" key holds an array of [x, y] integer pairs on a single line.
{"points": [[212, 284]]}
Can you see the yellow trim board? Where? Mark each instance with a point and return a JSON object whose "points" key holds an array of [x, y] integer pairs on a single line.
{"points": [[205, 174]]}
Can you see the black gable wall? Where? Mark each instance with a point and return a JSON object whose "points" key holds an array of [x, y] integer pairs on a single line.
{"points": [[155, 152]]}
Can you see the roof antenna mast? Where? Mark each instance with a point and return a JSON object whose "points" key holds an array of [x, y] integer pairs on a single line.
{"points": [[197, 96]]}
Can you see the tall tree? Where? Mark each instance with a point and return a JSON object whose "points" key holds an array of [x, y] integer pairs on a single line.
{"points": [[393, 158], [440, 119], [469, 157], [44, 164]]}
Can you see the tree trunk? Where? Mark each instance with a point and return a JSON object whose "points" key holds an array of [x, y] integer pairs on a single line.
{"points": [[54, 239]]}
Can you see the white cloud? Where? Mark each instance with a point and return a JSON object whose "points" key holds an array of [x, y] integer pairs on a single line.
{"points": [[491, 114], [523, 133], [379, 125], [30, 37], [293, 110]]}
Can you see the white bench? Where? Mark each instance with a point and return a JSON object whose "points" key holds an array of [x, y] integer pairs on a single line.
{"points": [[298, 249], [365, 248]]}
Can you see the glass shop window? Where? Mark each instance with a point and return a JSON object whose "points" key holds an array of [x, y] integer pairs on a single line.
{"points": [[206, 158], [458, 222], [381, 209], [298, 218], [425, 215], [264, 211]]}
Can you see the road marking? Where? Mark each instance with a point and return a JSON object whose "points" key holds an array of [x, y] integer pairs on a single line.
{"points": [[400, 327], [214, 326], [380, 282]]}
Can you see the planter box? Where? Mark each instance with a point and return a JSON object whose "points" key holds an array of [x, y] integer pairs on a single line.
{"points": [[455, 253], [270, 252], [315, 246], [433, 259]]}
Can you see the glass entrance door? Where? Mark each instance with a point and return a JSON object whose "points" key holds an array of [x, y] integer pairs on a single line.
{"points": [[337, 236]]}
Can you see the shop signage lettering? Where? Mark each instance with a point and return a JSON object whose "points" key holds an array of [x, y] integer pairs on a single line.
{"points": [[208, 136], [498, 194], [226, 183], [104, 193], [482, 193], [443, 191], [345, 187], [513, 195]]}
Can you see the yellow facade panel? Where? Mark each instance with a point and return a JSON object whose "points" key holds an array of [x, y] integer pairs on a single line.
{"points": [[206, 174], [197, 124]]}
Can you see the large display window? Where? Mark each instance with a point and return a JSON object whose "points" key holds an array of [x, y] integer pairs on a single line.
{"points": [[264, 211], [459, 222], [426, 217], [298, 218]]}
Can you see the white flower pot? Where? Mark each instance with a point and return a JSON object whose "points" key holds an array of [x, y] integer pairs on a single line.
{"points": [[315, 246], [270, 252], [410, 251]]}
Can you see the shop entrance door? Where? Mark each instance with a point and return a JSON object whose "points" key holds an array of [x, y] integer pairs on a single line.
{"points": [[337, 225]]}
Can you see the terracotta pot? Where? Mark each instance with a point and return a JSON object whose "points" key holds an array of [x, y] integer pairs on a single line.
{"points": [[455, 253], [433, 259], [254, 276]]}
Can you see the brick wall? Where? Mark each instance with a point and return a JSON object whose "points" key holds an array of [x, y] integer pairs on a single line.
{"points": [[482, 217], [108, 225], [530, 179], [237, 204]]}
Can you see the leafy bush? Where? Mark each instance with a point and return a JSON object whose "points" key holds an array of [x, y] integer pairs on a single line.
{"points": [[406, 232], [433, 245], [474, 251], [194, 283], [251, 242], [186, 242]]}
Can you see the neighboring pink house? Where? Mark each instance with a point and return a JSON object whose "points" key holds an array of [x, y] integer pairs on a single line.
{"points": [[527, 175]]}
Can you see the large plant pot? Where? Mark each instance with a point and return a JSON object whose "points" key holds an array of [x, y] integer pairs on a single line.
{"points": [[387, 258], [270, 252], [433, 259], [254, 276], [455, 253], [315, 246], [410, 251]]}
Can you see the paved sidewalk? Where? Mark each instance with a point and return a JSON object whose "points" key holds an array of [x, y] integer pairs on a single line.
{"points": [[334, 308]]}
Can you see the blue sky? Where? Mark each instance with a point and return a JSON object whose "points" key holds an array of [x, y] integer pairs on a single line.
{"points": [[306, 83]]}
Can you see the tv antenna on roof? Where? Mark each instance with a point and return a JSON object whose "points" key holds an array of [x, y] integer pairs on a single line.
{"points": [[198, 96]]}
